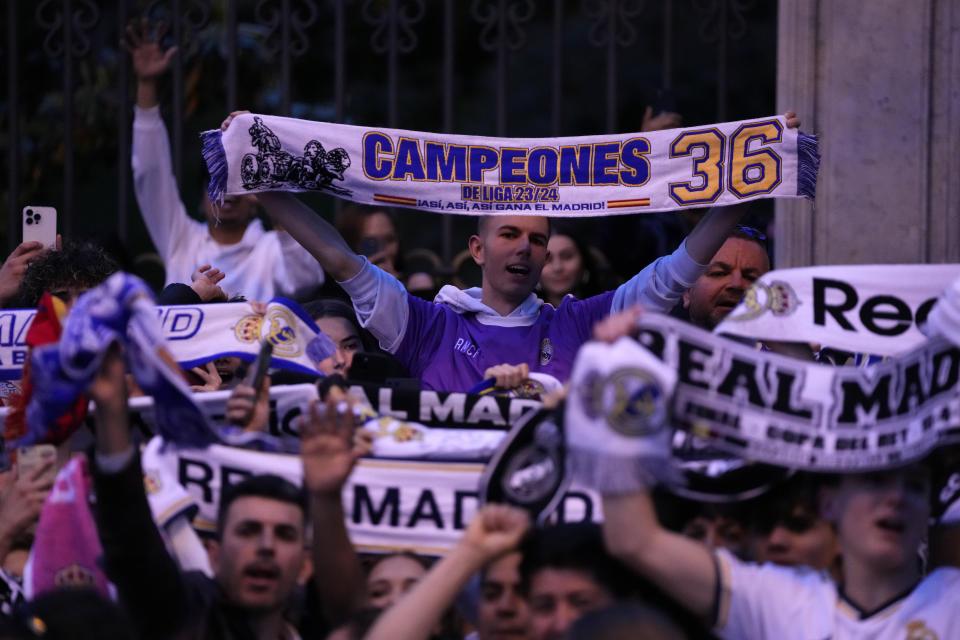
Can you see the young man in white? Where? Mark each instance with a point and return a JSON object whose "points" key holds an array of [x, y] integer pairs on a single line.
{"points": [[257, 264], [881, 520]]}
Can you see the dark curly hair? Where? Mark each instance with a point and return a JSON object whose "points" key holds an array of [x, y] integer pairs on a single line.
{"points": [[78, 265]]}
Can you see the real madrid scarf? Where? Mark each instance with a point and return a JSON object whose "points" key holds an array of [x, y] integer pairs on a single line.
{"points": [[876, 309], [566, 177], [617, 429], [196, 334], [119, 310]]}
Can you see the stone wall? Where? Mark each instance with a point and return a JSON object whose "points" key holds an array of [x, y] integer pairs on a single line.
{"points": [[879, 82]]}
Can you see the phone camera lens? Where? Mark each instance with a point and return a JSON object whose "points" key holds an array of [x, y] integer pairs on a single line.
{"points": [[36, 218], [29, 220], [29, 212]]}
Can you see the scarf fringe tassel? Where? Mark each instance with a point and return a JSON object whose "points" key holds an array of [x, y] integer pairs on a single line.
{"points": [[216, 160], [808, 156]]}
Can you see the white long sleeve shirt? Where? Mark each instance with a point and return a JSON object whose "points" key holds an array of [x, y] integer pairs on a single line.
{"points": [[264, 264]]}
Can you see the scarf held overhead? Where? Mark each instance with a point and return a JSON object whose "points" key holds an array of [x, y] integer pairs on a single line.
{"points": [[565, 177], [770, 408], [875, 309], [196, 334]]}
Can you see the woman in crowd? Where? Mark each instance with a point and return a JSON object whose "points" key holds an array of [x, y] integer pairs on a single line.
{"points": [[570, 269]]}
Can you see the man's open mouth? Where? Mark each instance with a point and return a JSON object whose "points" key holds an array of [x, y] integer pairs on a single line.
{"points": [[518, 269], [892, 524]]}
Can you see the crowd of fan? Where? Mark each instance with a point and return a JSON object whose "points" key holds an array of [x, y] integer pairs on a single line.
{"points": [[282, 565]]}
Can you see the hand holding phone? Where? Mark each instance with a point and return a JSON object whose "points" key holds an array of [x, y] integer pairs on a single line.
{"points": [[40, 225], [259, 368], [30, 459]]}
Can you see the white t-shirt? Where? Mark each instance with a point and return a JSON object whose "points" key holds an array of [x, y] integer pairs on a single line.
{"points": [[786, 603], [264, 264]]}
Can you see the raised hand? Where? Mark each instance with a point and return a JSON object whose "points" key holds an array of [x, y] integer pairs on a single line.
{"points": [[148, 58], [210, 376], [205, 282], [21, 503], [11, 273], [331, 444], [495, 530], [249, 408], [665, 120]]}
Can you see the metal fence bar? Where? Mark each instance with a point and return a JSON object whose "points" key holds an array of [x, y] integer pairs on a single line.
{"points": [[667, 78], [556, 89], [13, 83], [231, 55], [69, 177], [339, 59], [611, 67], [285, 59], [123, 127], [722, 63]]}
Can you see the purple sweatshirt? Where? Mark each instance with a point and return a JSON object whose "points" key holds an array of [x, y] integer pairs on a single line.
{"points": [[450, 342]]}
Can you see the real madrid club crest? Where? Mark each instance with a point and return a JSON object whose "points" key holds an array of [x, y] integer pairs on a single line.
{"points": [[528, 469], [281, 332], [546, 352], [248, 329], [778, 296], [629, 399]]}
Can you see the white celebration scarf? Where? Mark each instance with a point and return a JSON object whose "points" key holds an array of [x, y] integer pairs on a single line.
{"points": [[389, 504], [617, 417], [565, 177], [873, 309], [769, 408], [199, 333]]}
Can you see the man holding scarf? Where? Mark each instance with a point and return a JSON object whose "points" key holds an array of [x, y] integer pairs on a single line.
{"points": [[450, 343]]}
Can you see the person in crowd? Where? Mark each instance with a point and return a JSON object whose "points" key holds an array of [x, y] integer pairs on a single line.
{"points": [[494, 531], [65, 273], [566, 573], [14, 268], [448, 344], [786, 528], [336, 319], [390, 577], [76, 613], [259, 264], [741, 259], [372, 232], [503, 611], [880, 520], [624, 621], [570, 269], [261, 528]]}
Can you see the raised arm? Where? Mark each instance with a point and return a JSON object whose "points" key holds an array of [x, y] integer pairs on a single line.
{"points": [[330, 449], [135, 559], [682, 567], [495, 530], [315, 234]]}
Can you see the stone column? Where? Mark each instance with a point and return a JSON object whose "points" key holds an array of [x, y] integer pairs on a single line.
{"points": [[879, 82]]}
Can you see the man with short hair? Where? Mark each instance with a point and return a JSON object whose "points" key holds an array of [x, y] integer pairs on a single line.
{"points": [[258, 560], [503, 612], [449, 344], [566, 573], [881, 521], [734, 267]]}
